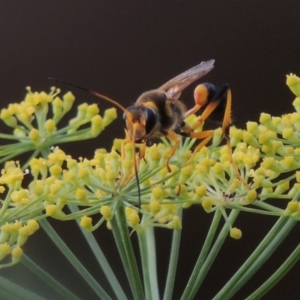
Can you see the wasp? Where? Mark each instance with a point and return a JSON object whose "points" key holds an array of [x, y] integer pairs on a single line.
{"points": [[160, 113]]}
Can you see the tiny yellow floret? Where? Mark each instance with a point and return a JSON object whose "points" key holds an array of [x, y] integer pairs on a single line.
{"points": [[16, 254], [4, 250], [82, 173], [34, 134], [293, 82], [133, 219], [69, 98], [154, 206], [293, 206], [106, 212], [158, 193], [207, 204], [51, 209], [109, 116], [50, 126], [201, 190], [80, 194], [86, 223], [252, 195], [55, 170], [33, 225], [235, 233]]}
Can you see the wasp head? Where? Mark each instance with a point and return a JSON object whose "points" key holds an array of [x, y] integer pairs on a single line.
{"points": [[139, 122]]}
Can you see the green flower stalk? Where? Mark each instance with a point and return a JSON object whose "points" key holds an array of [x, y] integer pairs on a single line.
{"points": [[102, 191]]}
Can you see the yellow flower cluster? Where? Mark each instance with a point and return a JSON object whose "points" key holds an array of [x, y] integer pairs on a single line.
{"points": [[12, 236], [35, 129], [261, 165]]}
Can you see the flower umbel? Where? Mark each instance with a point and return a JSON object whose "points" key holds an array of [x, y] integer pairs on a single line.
{"points": [[103, 190], [36, 130]]}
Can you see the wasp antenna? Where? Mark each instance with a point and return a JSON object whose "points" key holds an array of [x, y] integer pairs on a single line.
{"points": [[91, 92], [136, 169]]}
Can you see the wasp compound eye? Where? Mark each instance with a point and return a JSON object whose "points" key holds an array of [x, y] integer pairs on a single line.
{"points": [[146, 117], [151, 119]]}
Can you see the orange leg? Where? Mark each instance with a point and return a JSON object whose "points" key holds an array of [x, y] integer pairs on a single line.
{"points": [[173, 137], [207, 135]]}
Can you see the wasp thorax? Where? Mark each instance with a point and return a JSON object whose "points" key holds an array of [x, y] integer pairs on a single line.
{"points": [[139, 121]]}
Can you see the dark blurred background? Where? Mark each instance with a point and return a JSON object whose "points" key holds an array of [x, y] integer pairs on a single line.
{"points": [[121, 49]]}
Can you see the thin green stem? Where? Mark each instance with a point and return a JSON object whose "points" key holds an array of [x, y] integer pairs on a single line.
{"points": [[102, 261], [277, 276], [173, 261], [11, 291], [192, 284], [259, 256], [124, 244], [47, 278], [148, 257], [74, 261], [214, 251], [150, 239]]}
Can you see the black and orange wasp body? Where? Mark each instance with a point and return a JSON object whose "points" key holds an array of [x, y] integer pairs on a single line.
{"points": [[159, 112]]}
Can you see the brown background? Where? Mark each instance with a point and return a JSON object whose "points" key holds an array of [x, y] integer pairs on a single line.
{"points": [[122, 48]]}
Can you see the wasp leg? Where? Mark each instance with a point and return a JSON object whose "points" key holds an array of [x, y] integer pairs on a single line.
{"points": [[124, 181], [171, 135], [225, 134], [211, 106], [205, 135], [142, 151]]}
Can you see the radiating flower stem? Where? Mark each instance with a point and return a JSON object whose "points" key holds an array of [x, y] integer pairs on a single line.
{"points": [[256, 260], [89, 279], [12, 291], [100, 257], [190, 287], [173, 261], [212, 254], [277, 275], [124, 244], [46, 277], [148, 257]]}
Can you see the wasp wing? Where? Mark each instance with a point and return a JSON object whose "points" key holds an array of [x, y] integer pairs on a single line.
{"points": [[175, 86]]}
